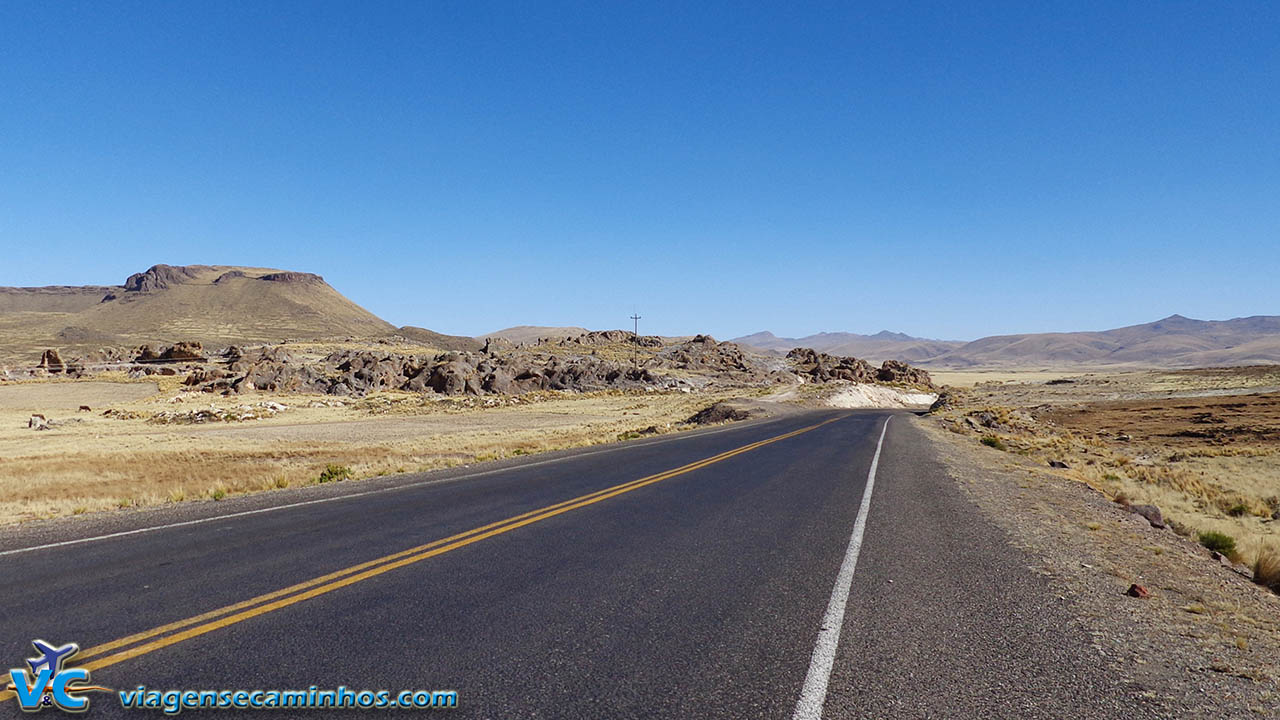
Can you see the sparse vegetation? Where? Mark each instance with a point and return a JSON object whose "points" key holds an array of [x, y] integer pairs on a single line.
{"points": [[1218, 542], [1266, 568], [335, 473], [1206, 458], [992, 441]]}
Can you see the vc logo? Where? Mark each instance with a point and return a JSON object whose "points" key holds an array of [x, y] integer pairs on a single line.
{"points": [[48, 684]]}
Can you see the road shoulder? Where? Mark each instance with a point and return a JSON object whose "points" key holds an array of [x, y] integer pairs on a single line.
{"points": [[1205, 643]]}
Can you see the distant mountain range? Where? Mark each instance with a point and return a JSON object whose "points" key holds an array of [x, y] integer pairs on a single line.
{"points": [[1175, 341], [224, 304], [876, 348]]}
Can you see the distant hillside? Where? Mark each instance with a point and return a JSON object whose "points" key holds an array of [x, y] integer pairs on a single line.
{"points": [[1175, 341], [876, 348], [531, 333], [439, 341], [216, 305]]}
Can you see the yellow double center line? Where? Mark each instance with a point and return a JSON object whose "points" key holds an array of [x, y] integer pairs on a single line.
{"points": [[165, 635]]}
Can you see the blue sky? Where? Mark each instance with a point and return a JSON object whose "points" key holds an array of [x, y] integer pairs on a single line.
{"points": [[948, 170]]}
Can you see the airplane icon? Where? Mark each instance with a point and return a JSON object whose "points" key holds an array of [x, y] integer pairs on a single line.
{"points": [[51, 657]]}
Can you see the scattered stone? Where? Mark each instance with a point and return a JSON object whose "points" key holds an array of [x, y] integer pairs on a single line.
{"points": [[1137, 591], [38, 422], [1059, 464], [239, 413], [85, 408]]}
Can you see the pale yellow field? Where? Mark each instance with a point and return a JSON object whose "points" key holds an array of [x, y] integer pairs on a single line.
{"points": [[89, 461], [970, 378]]}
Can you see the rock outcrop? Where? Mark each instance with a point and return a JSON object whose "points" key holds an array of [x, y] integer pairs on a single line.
{"points": [[357, 373], [821, 367], [51, 362], [178, 352], [159, 277]]}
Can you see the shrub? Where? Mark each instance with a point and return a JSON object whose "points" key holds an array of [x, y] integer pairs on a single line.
{"points": [[1266, 568], [335, 473], [218, 493], [992, 441], [1238, 510], [1219, 542], [1273, 504]]}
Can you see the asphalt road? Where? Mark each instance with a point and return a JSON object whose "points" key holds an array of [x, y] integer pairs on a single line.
{"points": [[695, 594]]}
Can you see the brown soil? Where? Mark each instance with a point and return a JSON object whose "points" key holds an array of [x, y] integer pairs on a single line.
{"points": [[1220, 420]]}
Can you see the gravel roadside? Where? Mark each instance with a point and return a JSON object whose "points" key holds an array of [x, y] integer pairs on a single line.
{"points": [[1204, 644]]}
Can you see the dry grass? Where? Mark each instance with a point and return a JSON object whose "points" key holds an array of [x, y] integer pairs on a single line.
{"points": [[1200, 445], [971, 378], [1266, 567], [93, 462]]}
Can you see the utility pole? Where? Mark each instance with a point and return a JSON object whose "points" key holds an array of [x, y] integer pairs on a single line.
{"points": [[635, 338]]}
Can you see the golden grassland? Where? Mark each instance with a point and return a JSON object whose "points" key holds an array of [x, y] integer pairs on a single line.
{"points": [[1202, 445], [143, 454]]}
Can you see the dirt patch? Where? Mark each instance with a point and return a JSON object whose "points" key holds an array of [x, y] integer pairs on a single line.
{"points": [[1230, 420], [71, 395]]}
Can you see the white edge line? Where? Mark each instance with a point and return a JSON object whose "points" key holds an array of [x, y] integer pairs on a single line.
{"points": [[814, 693], [348, 496]]}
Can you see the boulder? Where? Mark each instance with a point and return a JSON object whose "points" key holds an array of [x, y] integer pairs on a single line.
{"points": [[1150, 512], [718, 413], [946, 400]]}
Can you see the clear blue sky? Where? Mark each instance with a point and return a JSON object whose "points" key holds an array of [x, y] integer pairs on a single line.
{"points": [[947, 170]]}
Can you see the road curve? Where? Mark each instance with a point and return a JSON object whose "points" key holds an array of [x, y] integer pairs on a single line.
{"points": [[682, 578]]}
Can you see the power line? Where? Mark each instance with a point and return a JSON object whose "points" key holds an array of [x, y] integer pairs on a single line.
{"points": [[635, 338]]}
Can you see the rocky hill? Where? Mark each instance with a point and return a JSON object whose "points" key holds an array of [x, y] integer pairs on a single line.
{"points": [[211, 304]]}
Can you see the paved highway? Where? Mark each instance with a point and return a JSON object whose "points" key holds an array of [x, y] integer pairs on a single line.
{"points": [[745, 572]]}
